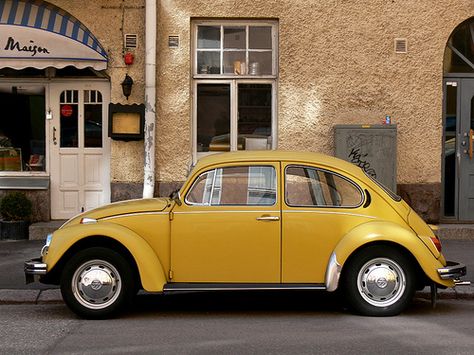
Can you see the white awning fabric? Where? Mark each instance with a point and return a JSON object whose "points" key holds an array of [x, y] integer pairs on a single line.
{"points": [[37, 34]]}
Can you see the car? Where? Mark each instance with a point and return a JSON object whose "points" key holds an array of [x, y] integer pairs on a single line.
{"points": [[251, 220]]}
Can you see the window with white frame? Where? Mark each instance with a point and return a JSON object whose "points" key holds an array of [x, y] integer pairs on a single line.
{"points": [[234, 79]]}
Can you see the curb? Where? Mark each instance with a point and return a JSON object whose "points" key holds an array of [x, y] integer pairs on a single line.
{"points": [[48, 296]]}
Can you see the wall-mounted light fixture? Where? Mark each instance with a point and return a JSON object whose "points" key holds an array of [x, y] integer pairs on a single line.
{"points": [[126, 122], [127, 84]]}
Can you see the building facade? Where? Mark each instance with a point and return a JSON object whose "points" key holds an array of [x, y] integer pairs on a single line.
{"points": [[233, 75]]}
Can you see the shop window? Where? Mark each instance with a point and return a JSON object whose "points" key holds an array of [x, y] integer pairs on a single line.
{"points": [[235, 77], [22, 128]]}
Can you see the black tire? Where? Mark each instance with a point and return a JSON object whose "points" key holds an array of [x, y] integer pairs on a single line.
{"points": [[379, 281], [97, 283]]}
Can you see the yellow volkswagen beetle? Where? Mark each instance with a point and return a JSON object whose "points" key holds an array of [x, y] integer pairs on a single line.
{"points": [[269, 220]]}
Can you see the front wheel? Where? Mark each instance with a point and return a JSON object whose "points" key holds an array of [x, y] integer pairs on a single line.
{"points": [[97, 283], [379, 281]]}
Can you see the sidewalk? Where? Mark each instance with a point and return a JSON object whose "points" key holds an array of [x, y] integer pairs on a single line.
{"points": [[13, 289]]}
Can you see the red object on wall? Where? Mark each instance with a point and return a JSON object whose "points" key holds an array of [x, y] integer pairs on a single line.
{"points": [[66, 110], [128, 58]]}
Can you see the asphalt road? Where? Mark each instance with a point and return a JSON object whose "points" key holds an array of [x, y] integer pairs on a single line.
{"points": [[250, 324]]}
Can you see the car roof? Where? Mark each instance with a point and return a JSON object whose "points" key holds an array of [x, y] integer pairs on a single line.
{"points": [[279, 155]]}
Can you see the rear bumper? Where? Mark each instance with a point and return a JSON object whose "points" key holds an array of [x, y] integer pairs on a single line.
{"points": [[34, 269], [452, 271]]}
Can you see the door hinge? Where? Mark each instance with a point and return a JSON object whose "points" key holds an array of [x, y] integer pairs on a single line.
{"points": [[171, 215], [171, 274]]}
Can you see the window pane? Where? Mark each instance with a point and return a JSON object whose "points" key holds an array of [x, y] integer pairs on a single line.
{"points": [[93, 126], [260, 63], [209, 62], [313, 187], [260, 37], [213, 117], [209, 37], [22, 128], [69, 125], [200, 193], [234, 63], [255, 116], [234, 38]]}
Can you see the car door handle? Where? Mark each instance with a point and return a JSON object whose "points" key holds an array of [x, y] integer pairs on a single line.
{"points": [[268, 218]]}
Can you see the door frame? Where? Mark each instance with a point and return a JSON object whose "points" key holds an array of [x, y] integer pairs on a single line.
{"points": [[455, 80], [55, 87]]}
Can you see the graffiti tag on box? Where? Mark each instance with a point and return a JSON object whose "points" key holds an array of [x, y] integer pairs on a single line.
{"points": [[357, 147]]}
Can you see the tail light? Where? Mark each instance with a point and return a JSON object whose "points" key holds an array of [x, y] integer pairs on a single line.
{"points": [[436, 242]]}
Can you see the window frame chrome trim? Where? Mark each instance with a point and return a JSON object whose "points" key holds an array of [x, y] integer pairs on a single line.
{"points": [[362, 194]]}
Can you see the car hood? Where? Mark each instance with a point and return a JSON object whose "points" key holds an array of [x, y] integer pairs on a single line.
{"points": [[123, 207]]}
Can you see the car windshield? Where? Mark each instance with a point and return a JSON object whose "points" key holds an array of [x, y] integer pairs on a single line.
{"points": [[389, 192]]}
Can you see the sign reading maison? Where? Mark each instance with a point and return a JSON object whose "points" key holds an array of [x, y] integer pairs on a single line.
{"points": [[22, 47], [31, 48]]}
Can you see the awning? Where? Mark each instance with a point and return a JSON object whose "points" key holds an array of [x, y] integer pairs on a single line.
{"points": [[37, 34]]}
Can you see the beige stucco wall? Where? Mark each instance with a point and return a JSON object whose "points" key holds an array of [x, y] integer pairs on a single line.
{"points": [[336, 66], [104, 20]]}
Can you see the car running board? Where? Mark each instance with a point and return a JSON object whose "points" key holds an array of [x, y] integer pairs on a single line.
{"points": [[180, 287]]}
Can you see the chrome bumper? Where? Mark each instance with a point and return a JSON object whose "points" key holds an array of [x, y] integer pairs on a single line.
{"points": [[452, 271], [34, 268]]}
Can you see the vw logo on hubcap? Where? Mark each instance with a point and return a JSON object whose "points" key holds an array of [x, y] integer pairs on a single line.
{"points": [[382, 282], [96, 285]]}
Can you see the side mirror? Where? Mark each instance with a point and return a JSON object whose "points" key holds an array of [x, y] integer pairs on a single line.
{"points": [[175, 196]]}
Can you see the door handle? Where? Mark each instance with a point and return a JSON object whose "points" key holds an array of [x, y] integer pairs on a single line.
{"points": [[471, 133], [55, 141], [267, 218]]}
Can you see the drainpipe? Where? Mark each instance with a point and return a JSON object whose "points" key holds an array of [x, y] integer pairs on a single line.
{"points": [[150, 98]]}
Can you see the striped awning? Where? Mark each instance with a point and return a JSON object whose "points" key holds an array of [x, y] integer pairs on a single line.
{"points": [[38, 34]]}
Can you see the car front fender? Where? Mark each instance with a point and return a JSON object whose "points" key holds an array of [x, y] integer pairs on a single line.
{"points": [[150, 268], [382, 232]]}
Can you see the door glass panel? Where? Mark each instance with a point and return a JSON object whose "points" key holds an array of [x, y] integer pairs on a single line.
{"points": [[450, 150], [213, 117], [255, 116], [92, 119], [237, 185], [69, 115]]}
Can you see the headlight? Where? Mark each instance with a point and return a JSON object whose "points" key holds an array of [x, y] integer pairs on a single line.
{"points": [[45, 248]]}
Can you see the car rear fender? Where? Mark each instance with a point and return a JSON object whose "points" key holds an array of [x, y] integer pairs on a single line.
{"points": [[382, 232], [151, 271]]}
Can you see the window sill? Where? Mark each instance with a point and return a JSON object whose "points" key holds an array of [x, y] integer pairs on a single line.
{"points": [[24, 180]]}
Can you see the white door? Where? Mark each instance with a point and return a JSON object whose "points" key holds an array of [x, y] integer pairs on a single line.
{"points": [[79, 147]]}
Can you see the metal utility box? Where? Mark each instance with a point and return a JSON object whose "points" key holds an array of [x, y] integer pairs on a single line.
{"points": [[371, 147]]}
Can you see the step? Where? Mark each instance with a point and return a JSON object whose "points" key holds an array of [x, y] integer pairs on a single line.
{"points": [[39, 231]]}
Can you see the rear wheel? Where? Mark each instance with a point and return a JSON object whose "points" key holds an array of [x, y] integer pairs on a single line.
{"points": [[379, 281], [97, 283]]}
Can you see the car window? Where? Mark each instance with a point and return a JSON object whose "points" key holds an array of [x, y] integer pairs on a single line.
{"points": [[306, 186], [236, 185]]}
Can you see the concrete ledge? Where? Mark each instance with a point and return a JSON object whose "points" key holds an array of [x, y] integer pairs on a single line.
{"points": [[50, 296], [456, 231], [39, 231]]}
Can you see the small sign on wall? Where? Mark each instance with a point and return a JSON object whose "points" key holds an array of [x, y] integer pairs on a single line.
{"points": [[173, 41]]}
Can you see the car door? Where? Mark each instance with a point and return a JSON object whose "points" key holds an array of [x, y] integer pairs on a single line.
{"points": [[320, 206], [228, 228]]}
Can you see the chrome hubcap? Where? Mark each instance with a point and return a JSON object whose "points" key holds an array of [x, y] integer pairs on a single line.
{"points": [[381, 282], [96, 284]]}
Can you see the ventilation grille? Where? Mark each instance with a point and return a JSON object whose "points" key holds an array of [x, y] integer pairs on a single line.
{"points": [[401, 45], [131, 41]]}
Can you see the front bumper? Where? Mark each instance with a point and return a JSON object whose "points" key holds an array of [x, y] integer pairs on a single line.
{"points": [[452, 271], [34, 269]]}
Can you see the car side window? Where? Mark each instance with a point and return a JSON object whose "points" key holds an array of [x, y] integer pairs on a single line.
{"points": [[307, 186], [235, 185]]}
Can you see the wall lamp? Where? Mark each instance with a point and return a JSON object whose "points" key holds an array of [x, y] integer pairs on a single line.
{"points": [[127, 84]]}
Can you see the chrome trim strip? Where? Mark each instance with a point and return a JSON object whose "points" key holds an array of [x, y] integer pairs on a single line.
{"points": [[215, 211], [330, 212], [225, 287], [133, 214], [333, 273]]}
